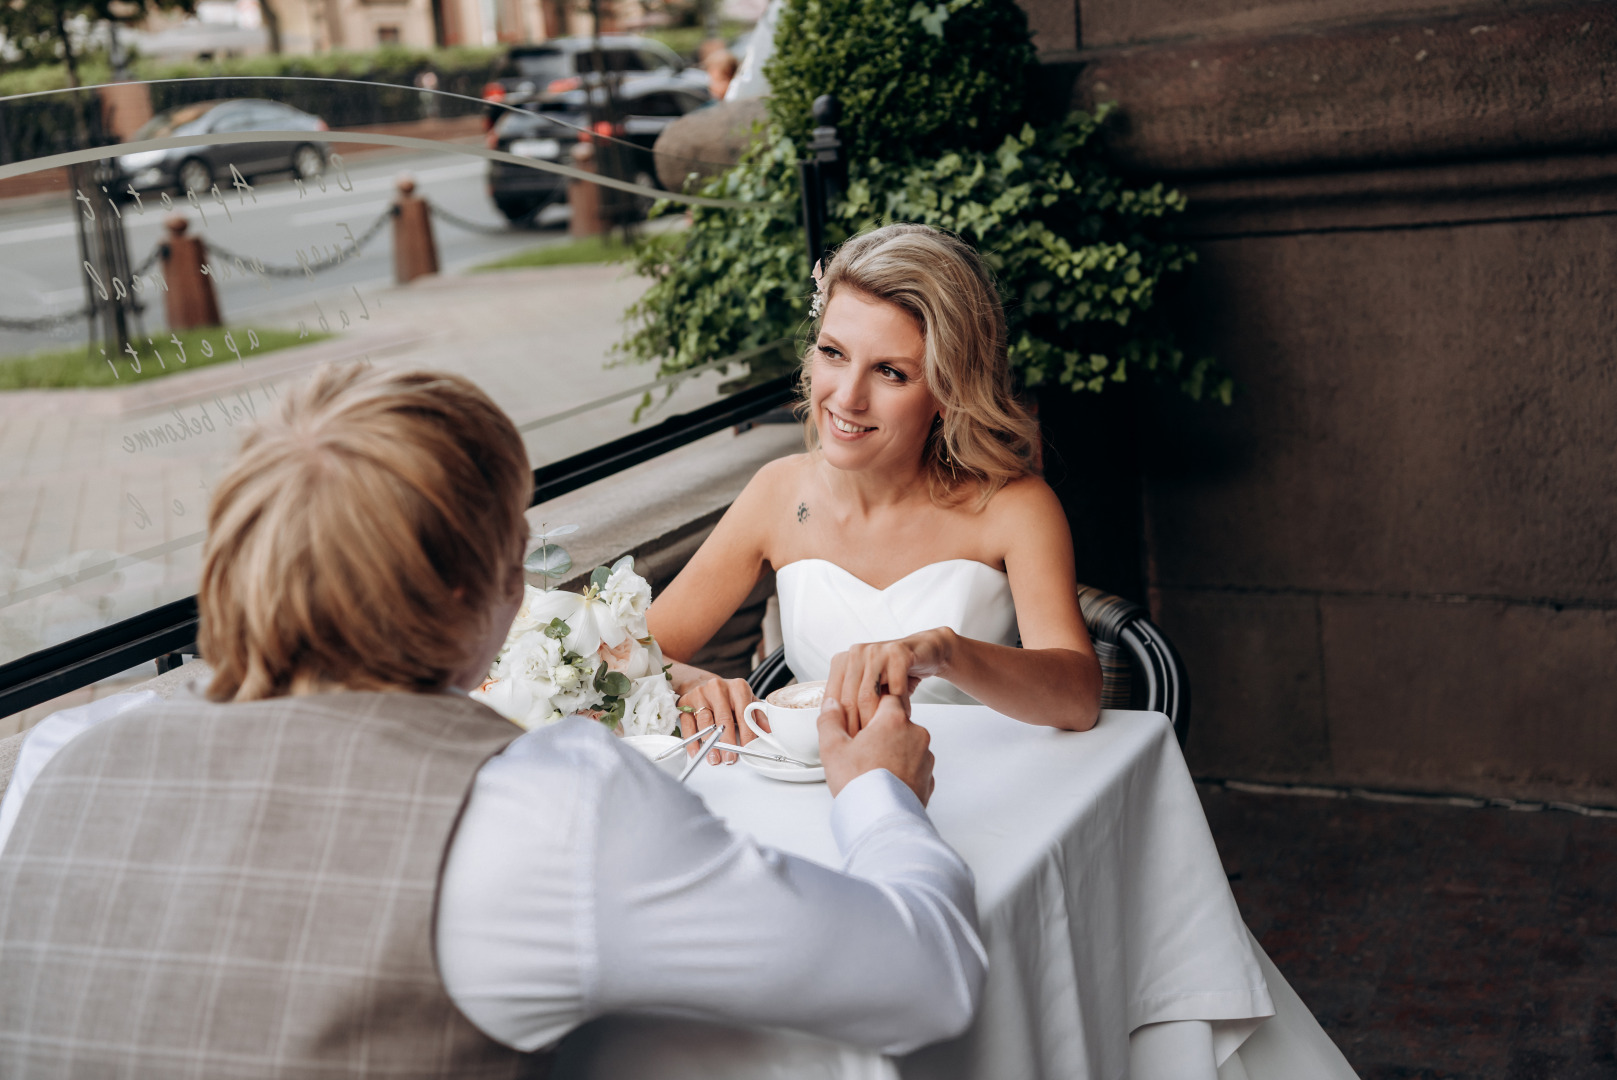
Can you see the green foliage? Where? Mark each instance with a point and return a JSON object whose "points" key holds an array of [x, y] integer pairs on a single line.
{"points": [[48, 124], [549, 561], [590, 249], [612, 683], [734, 280], [935, 110], [914, 80], [52, 75], [85, 366], [1076, 251], [389, 64], [42, 30], [392, 64]]}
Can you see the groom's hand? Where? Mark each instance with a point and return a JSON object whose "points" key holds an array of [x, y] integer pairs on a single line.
{"points": [[861, 677], [888, 740]]}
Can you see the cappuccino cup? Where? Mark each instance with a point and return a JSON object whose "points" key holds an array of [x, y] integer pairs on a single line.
{"points": [[793, 713]]}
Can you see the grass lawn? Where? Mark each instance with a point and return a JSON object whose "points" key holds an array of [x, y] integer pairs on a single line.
{"points": [[590, 249], [159, 356]]}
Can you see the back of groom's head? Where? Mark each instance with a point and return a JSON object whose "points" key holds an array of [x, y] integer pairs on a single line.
{"points": [[361, 537]]}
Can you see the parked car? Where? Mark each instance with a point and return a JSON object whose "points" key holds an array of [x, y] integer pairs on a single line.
{"points": [[547, 127], [530, 71], [197, 168]]}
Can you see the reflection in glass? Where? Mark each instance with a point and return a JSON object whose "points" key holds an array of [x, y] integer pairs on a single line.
{"points": [[123, 392]]}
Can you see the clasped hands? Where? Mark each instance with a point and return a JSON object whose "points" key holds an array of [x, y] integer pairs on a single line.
{"points": [[865, 722]]}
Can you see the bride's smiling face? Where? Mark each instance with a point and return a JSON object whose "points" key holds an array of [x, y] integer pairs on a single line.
{"points": [[867, 383]]}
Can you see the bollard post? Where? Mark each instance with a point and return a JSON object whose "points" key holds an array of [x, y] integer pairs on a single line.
{"points": [[583, 197], [190, 301], [415, 253]]}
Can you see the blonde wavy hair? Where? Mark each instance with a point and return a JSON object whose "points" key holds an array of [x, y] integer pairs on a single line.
{"points": [[985, 438], [361, 537]]}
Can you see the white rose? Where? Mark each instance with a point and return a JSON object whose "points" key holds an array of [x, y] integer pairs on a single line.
{"points": [[521, 701], [628, 595], [652, 707], [531, 657], [565, 677], [635, 658], [526, 620], [590, 623]]}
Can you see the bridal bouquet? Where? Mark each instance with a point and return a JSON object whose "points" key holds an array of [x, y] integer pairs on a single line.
{"points": [[586, 652]]}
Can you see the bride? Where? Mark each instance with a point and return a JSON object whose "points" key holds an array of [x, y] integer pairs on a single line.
{"points": [[913, 545]]}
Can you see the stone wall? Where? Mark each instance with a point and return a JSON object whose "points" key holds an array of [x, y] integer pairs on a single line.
{"points": [[1393, 563]]}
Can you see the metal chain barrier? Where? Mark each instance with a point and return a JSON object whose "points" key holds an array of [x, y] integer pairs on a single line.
{"points": [[465, 223], [45, 322], [83, 311], [259, 266], [50, 322], [159, 250]]}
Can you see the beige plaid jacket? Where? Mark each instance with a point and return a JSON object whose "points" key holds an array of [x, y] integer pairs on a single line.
{"points": [[244, 891]]}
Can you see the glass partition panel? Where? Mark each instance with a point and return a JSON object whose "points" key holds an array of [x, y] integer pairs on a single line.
{"points": [[174, 256]]}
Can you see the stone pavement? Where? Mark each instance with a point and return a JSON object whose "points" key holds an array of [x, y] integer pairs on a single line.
{"points": [[1435, 942], [102, 491]]}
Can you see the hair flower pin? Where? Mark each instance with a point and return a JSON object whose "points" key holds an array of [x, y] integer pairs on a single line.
{"points": [[817, 304]]}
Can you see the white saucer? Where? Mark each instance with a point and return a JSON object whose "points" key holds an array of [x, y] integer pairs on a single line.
{"points": [[792, 774]]}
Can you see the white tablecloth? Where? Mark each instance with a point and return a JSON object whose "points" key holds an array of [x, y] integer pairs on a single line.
{"points": [[1103, 904]]}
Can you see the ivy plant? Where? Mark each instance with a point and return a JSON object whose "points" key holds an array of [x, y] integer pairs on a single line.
{"points": [[935, 122]]}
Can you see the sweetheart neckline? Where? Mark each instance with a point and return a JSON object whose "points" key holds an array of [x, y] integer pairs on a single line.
{"points": [[896, 582]]}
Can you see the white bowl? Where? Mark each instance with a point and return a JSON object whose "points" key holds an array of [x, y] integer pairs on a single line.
{"points": [[652, 745]]}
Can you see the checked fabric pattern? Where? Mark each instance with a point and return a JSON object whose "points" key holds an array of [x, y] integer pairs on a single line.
{"points": [[244, 891]]}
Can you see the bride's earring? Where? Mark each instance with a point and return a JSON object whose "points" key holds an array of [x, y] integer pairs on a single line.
{"points": [[943, 444]]}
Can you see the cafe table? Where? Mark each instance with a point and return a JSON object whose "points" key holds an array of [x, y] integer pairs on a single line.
{"points": [[1115, 946]]}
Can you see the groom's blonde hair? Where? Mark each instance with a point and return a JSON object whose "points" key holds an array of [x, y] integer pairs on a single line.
{"points": [[986, 438], [361, 537]]}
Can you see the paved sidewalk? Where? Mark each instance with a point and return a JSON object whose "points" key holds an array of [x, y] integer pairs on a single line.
{"points": [[103, 492], [1435, 942]]}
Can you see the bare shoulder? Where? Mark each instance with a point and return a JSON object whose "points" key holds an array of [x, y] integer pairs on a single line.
{"points": [[1025, 503], [753, 518], [775, 482], [1025, 516]]}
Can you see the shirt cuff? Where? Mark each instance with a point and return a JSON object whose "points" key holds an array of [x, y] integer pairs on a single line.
{"points": [[868, 799]]}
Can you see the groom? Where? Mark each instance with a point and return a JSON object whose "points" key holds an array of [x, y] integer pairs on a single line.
{"points": [[339, 864]]}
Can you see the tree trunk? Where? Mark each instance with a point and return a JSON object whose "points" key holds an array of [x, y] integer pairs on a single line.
{"points": [[68, 57], [272, 23]]}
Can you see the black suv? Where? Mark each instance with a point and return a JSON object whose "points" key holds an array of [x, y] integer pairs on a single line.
{"points": [[547, 126], [552, 66]]}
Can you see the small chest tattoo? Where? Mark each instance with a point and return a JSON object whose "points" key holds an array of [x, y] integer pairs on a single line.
{"points": [[802, 513]]}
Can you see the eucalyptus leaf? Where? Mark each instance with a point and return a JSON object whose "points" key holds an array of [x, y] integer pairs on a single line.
{"points": [[598, 577], [625, 563], [615, 684], [549, 560], [557, 629], [559, 530]]}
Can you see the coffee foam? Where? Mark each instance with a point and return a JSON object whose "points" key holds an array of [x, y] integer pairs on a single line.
{"points": [[798, 696]]}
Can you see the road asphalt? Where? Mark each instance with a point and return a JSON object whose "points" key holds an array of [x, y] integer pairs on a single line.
{"points": [[103, 491]]}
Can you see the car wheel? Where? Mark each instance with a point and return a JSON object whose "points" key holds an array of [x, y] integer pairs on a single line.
{"points": [[519, 211], [308, 162], [195, 175]]}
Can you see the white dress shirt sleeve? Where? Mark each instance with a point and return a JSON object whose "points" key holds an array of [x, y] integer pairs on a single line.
{"points": [[584, 881], [48, 736]]}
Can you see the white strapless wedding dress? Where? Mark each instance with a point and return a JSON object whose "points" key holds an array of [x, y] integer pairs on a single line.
{"points": [[824, 609]]}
